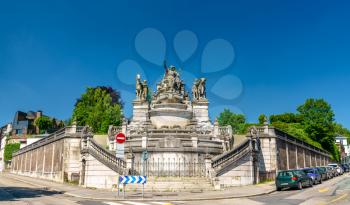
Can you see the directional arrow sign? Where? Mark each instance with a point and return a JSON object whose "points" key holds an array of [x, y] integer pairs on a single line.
{"points": [[132, 179]]}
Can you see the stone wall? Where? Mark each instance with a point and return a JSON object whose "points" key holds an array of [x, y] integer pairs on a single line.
{"points": [[238, 173], [56, 157], [98, 175], [281, 151]]}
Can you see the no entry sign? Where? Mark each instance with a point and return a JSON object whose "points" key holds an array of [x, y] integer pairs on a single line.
{"points": [[120, 138]]}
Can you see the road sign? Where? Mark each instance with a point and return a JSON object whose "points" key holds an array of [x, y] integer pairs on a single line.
{"points": [[120, 138], [132, 179]]}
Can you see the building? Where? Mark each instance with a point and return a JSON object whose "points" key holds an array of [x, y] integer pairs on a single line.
{"points": [[23, 123], [343, 146]]}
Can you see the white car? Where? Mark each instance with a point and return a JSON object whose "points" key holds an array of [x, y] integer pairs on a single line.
{"points": [[336, 166]]}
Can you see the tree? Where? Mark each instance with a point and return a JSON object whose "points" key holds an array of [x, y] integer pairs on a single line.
{"points": [[237, 121], [318, 121], [98, 108], [10, 149], [262, 119], [286, 117], [44, 123]]}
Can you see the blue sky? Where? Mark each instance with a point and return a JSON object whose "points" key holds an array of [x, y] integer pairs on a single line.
{"points": [[284, 52]]}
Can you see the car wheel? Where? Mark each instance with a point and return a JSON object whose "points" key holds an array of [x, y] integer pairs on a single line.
{"points": [[300, 186], [320, 181], [311, 183], [278, 188]]}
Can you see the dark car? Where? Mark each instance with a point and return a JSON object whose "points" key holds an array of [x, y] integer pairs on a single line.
{"points": [[314, 175], [345, 167], [323, 172], [292, 179]]}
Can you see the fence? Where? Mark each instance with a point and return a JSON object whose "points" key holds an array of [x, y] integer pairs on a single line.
{"points": [[174, 169]]}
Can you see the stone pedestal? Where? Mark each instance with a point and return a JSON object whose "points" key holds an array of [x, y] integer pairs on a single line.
{"points": [[140, 111], [200, 112]]}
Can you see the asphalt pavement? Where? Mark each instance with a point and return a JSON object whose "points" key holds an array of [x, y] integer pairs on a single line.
{"points": [[335, 191]]}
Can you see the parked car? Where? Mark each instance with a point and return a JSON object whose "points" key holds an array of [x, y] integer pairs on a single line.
{"points": [[323, 172], [292, 179], [330, 172], [314, 174], [337, 168], [345, 167]]}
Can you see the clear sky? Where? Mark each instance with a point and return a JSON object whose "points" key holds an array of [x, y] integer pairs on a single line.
{"points": [[258, 56]]}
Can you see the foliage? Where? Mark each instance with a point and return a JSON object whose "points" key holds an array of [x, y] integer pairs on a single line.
{"points": [[98, 107], [339, 129], [44, 123], [10, 149], [318, 121], [296, 130], [314, 124], [237, 121], [261, 119], [286, 117]]}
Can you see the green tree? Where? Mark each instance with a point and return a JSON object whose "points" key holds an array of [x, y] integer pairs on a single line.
{"points": [[98, 107], [10, 149], [262, 119], [44, 123], [318, 121], [286, 117], [237, 121]]}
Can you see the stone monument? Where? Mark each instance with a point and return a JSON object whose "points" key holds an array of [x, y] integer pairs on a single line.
{"points": [[170, 126]]}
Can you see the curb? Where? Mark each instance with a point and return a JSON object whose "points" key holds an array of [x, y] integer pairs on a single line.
{"points": [[152, 199]]}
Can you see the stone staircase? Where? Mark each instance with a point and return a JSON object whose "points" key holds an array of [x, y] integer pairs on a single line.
{"points": [[221, 163], [173, 184]]}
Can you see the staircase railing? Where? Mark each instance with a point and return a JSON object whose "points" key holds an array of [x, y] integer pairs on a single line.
{"points": [[104, 156], [225, 159]]}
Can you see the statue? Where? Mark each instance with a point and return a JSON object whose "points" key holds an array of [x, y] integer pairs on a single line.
{"points": [[201, 88], [198, 89], [138, 87], [195, 89], [144, 90]]}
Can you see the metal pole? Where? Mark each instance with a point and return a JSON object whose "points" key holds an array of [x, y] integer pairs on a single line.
{"points": [[143, 187], [118, 187], [123, 191]]}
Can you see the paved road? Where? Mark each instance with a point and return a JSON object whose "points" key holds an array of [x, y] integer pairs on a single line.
{"points": [[335, 191]]}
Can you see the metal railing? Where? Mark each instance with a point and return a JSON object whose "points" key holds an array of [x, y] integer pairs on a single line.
{"points": [[104, 156], [171, 168]]}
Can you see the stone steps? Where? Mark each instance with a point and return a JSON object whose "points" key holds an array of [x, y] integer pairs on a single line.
{"points": [[172, 185]]}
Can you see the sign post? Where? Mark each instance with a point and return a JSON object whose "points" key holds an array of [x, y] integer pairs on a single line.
{"points": [[132, 180], [119, 140]]}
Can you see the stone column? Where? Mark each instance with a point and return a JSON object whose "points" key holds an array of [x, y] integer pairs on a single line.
{"points": [[53, 158], [304, 157], [296, 157], [43, 171], [208, 168], [129, 161], [287, 155]]}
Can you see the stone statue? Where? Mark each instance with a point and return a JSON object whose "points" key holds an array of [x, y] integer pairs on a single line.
{"points": [[198, 89], [201, 88], [195, 89], [144, 90], [139, 88]]}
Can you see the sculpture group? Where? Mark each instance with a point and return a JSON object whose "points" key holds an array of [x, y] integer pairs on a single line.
{"points": [[171, 83]]}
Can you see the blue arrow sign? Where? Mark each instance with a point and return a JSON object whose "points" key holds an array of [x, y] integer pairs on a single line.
{"points": [[132, 179]]}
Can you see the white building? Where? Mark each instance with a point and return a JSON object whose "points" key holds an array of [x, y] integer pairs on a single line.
{"points": [[4, 132], [339, 139]]}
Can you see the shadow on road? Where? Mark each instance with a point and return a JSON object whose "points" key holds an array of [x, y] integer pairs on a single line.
{"points": [[14, 193]]}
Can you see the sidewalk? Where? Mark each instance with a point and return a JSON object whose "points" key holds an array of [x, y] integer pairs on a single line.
{"points": [[100, 194]]}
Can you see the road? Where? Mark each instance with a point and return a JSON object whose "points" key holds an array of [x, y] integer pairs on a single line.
{"points": [[335, 191]]}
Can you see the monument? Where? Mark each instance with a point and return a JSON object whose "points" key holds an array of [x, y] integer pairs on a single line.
{"points": [[173, 128]]}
